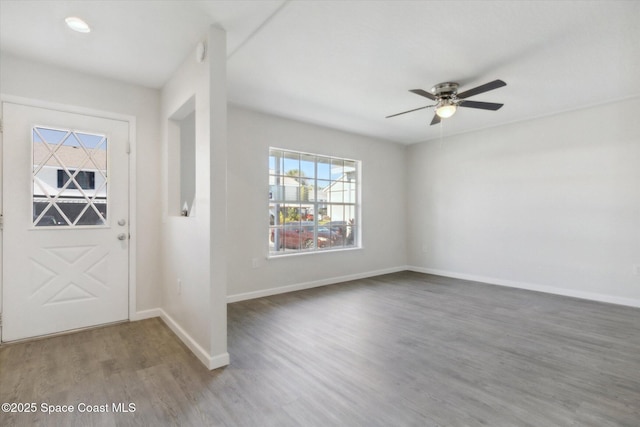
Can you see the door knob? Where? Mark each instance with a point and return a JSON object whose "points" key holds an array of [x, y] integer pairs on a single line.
{"points": [[122, 236]]}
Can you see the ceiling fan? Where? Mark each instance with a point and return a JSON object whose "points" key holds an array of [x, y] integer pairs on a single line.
{"points": [[448, 99]]}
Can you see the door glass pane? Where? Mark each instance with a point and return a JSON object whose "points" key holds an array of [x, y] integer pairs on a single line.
{"points": [[69, 178]]}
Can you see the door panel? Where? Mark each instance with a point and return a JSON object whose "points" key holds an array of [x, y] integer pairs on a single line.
{"points": [[65, 237]]}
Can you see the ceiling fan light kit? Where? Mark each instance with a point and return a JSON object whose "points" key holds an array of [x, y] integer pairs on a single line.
{"points": [[446, 109], [448, 99]]}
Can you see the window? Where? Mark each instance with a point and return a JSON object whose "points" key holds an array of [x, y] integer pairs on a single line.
{"points": [[69, 177], [313, 202], [86, 180]]}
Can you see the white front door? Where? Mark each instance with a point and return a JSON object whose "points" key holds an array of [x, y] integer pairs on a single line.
{"points": [[66, 221]]}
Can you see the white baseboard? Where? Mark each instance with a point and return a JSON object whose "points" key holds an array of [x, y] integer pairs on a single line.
{"points": [[145, 314], [218, 361], [632, 302], [308, 285], [211, 362]]}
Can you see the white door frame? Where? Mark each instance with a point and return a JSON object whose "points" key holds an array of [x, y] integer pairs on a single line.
{"points": [[131, 120]]}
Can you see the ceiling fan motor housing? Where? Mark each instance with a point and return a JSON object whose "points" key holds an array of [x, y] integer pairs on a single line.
{"points": [[445, 90]]}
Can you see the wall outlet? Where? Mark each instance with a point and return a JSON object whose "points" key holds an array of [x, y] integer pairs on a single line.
{"points": [[636, 269], [179, 286]]}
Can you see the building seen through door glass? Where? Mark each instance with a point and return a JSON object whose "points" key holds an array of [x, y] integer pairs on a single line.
{"points": [[313, 202], [69, 178]]}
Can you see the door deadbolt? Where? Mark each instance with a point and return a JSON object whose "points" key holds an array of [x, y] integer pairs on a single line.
{"points": [[122, 221]]}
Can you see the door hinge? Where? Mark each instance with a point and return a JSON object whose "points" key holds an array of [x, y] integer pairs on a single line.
{"points": [[0, 320], [128, 148], [1, 222], [1, 126]]}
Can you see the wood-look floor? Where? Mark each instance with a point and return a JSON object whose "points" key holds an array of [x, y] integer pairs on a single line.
{"points": [[403, 349]]}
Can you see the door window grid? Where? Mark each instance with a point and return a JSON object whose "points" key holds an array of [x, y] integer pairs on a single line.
{"points": [[74, 153]]}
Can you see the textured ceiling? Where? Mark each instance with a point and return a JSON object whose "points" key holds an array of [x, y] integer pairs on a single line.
{"points": [[348, 64]]}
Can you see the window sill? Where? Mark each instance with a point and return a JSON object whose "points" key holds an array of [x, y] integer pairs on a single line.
{"points": [[296, 254]]}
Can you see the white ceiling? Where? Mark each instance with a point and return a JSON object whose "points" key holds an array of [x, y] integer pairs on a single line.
{"points": [[348, 64]]}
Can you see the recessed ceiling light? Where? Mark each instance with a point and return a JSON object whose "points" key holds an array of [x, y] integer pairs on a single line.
{"points": [[77, 24]]}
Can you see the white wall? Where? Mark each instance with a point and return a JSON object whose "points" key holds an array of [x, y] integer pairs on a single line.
{"points": [[194, 247], [551, 204], [41, 82], [250, 273]]}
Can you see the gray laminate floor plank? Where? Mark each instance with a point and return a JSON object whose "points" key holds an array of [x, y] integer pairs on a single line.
{"points": [[403, 349]]}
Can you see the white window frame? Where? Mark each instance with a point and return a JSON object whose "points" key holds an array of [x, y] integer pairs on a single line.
{"points": [[312, 218]]}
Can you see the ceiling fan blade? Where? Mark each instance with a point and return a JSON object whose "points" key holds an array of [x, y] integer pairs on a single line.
{"points": [[405, 112], [436, 120], [424, 93], [480, 89], [481, 105]]}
